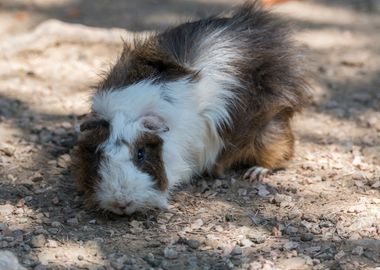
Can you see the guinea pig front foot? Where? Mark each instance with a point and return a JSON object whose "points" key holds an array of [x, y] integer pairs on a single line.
{"points": [[256, 173]]}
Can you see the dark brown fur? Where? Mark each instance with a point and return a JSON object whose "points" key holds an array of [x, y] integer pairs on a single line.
{"points": [[145, 61], [86, 157], [153, 164], [271, 146], [273, 90]]}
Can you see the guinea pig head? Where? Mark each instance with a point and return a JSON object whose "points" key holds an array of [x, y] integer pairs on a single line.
{"points": [[120, 165]]}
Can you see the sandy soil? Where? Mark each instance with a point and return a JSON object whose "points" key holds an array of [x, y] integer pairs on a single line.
{"points": [[323, 212]]}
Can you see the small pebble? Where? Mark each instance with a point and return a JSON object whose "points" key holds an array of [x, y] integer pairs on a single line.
{"points": [[56, 224], [376, 184], [149, 258], [339, 255], [28, 198], [40, 230], [55, 200], [242, 192], [217, 183], [255, 266], [6, 210], [307, 237], [7, 149], [262, 190], [290, 230], [63, 160], [130, 261], [230, 218], [310, 218], [66, 125], [229, 264], [92, 221], [194, 244], [38, 241], [72, 221], [370, 254], [20, 203], [118, 264], [236, 251], [258, 239], [218, 228], [280, 198], [290, 245], [53, 230], [197, 224], [26, 247], [292, 263], [276, 232], [52, 243], [295, 213], [358, 250], [170, 253], [37, 178], [325, 224], [233, 181], [3, 226], [246, 243]]}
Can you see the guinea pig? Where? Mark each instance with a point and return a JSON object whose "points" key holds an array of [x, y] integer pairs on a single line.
{"points": [[197, 98]]}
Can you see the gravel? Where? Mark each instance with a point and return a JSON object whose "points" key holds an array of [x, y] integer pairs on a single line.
{"points": [[322, 212]]}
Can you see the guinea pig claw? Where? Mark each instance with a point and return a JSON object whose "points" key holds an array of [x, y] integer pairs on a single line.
{"points": [[256, 173]]}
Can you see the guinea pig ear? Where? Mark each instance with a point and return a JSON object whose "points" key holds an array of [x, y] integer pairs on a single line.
{"points": [[154, 123]]}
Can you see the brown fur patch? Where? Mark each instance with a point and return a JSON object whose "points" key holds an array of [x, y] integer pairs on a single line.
{"points": [[269, 144], [153, 164], [146, 61], [273, 89], [86, 158]]}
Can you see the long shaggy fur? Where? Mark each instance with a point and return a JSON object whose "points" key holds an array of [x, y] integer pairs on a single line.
{"points": [[224, 88]]}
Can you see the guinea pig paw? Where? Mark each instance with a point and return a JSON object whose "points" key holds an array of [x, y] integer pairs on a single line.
{"points": [[256, 173]]}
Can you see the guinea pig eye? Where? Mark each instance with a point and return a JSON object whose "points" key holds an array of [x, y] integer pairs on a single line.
{"points": [[141, 155]]}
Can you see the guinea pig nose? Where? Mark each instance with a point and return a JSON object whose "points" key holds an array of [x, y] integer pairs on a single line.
{"points": [[122, 205]]}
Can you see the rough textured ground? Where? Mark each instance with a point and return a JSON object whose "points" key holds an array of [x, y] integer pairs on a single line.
{"points": [[323, 212]]}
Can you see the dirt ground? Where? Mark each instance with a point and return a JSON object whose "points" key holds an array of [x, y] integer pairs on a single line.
{"points": [[323, 212]]}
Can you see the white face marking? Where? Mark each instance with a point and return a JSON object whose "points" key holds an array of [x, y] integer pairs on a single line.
{"points": [[125, 189]]}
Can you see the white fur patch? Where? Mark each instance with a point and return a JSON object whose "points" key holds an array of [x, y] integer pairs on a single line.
{"points": [[122, 183], [216, 53]]}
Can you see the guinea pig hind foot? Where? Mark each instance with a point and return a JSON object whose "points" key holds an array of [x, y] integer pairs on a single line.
{"points": [[256, 173]]}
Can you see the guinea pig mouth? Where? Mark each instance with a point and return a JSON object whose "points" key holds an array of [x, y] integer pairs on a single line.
{"points": [[125, 208], [130, 207]]}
